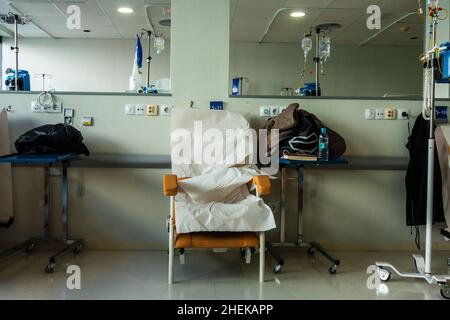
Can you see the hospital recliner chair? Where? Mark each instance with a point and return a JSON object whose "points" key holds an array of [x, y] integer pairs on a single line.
{"points": [[211, 240]]}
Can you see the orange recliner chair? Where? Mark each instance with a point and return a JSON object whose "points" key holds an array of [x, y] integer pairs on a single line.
{"points": [[242, 240]]}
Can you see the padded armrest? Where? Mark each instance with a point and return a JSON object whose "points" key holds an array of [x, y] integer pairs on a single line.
{"points": [[262, 183], [170, 185]]}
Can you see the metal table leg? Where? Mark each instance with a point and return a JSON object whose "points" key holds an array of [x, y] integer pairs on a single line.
{"points": [[69, 244], [313, 246]]}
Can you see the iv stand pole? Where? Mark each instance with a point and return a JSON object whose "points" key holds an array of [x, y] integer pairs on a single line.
{"points": [[16, 50], [317, 60], [423, 266], [431, 151], [149, 58]]}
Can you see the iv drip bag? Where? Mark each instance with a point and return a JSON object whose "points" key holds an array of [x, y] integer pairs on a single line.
{"points": [[324, 48], [306, 44]]}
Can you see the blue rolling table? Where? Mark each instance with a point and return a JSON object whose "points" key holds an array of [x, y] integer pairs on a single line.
{"points": [[47, 161], [313, 246]]}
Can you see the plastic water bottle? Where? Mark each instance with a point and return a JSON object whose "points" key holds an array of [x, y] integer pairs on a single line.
{"points": [[323, 153]]}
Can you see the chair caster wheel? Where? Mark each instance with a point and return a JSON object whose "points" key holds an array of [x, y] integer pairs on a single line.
{"points": [[311, 251], [277, 268], [333, 269], [445, 291], [384, 274], [50, 267], [77, 248], [30, 247]]}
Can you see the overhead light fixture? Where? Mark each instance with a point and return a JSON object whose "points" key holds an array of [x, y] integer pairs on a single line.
{"points": [[125, 10], [297, 14]]}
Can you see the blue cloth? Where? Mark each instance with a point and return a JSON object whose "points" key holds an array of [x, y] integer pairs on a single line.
{"points": [[138, 52]]}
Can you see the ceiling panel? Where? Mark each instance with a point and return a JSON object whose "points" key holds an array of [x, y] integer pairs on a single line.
{"points": [[398, 6], [88, 7], [353, 4], [99, 16], [308, 3], [89, 21], [351, 14], [36, 8], [243, 11]]}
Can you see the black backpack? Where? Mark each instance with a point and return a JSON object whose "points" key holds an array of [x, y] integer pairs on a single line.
{"points": [[51, 138]]}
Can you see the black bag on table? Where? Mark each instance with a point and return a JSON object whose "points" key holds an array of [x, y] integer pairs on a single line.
{"points": [[51, 138], [299, 132]]}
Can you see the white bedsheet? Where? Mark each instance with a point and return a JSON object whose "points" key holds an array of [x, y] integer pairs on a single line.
{"points": [[216, 197]]}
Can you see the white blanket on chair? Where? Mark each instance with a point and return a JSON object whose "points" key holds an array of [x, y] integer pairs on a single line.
{"points": [[215, 197]]}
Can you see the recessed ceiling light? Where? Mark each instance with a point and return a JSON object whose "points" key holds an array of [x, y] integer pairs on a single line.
{"points": [[125, 10], [297, 14]]}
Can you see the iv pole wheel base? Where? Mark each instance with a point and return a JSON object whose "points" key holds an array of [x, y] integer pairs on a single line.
{"points": [[384, 274], [445, 291], [50, 267], [77, 248], [333, 269], [277, 269], [30, 247]]}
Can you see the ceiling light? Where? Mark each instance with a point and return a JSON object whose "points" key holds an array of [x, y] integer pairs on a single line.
{"points": [[297, 14], [125, 10]]}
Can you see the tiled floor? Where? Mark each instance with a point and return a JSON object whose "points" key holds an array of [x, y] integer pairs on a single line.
{"points": [[207, 275]]}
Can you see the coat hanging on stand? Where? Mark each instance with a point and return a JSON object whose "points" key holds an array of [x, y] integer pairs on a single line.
{"points": [[416, 178]]}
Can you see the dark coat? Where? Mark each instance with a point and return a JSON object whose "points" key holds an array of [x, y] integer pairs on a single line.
{"points": [[416, 178]]}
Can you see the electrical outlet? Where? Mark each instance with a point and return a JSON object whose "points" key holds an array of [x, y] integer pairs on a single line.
{"points": [[165, 110], [140, 109], [281, 109], [152, 109], [130, 109], [379, 114], [55, 108], [390, 114], [264, 111], [274, 111], [403, 114], [370, 114]]}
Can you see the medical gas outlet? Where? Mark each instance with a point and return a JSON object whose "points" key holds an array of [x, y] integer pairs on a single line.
{"points": [[386, 114], [147, 109]]}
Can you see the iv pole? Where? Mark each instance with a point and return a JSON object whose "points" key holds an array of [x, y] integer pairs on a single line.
{"points": [[317, 60], [149, 58], [423, 266], [13, 18], [16, 50]]}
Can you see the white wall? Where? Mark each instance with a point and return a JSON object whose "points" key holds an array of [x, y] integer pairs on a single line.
{"points": [[369, 71], [84, 64], [125, 208]]}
